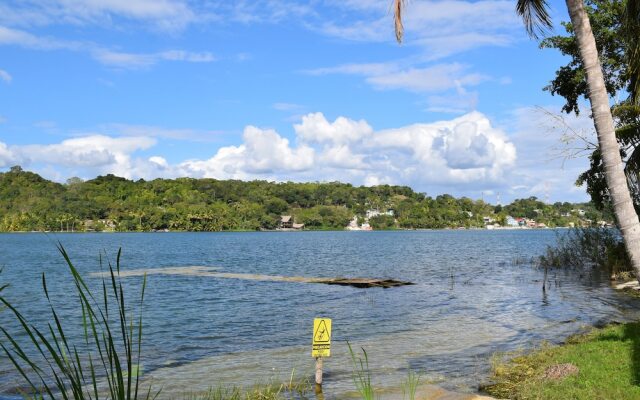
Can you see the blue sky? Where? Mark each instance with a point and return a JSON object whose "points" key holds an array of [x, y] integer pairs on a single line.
{"points": [[280, 90]]}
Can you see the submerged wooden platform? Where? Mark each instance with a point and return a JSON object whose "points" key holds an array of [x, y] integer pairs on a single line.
{"points": [[214, 272], [365, 282]]}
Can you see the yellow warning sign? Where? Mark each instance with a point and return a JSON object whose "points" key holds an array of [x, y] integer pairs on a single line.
{"points": [[321, 344]]}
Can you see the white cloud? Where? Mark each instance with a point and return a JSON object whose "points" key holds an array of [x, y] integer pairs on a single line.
{"points": [[366, 69], [5, 76], [168, 15], [264, 11], [125, 60], [393, 75], [141, 60], [6, 156], [545, 165], [10, 36], [93, 154], [316, 129], [449, 17], [437, 47], [446, 82], [379, 30], [439, 28], [262, 152], [466, 150], [192, 135], [287, 106], [15, 37], [436, 78]]}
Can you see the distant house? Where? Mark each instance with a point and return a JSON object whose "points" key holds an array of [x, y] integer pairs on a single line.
{"points": [[488, 220], [512, 221], [377, 213], [353, 225], [286, 222]]}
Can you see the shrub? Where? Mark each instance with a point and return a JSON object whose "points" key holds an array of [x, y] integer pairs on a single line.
{"points": [[589, 247]]}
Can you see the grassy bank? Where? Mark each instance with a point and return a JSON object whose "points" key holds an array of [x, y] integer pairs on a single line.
{"points": [[607, 361]]}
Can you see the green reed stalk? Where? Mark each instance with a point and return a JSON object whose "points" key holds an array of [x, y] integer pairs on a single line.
{"points": [[111, 349], [362, 374], [410, 385]]}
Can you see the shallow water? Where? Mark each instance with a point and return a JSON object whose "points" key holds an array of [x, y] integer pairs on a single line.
{"points": [[470, 300]]}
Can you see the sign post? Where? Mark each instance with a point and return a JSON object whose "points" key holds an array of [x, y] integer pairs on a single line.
{"points": [[320, 346]]}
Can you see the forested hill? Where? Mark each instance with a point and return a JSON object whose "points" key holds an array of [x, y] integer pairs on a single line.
{"points": [[29, 202]]}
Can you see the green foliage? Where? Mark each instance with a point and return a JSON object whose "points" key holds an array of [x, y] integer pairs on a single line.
{"points": [[628, 135], [410, 385], [606, 18], [271, 391], [382, 222], [110, 203], [362, 374], [589, 247], [608, 361], [617, 43], [104, 365]]}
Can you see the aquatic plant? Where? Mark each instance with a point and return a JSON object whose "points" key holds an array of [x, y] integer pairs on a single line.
{"points": [[362, 374], [588, 247], [294, 389], [3, 287], [104, 365], [410, 385]]}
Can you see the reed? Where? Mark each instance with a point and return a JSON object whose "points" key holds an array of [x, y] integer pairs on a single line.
{"points": [[362, 374], [601, 248], [410, 385], [105, 365], [270, 391]]}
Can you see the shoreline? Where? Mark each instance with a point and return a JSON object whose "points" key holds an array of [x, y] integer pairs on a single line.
{"points": [[601, 363], [310, 230]]}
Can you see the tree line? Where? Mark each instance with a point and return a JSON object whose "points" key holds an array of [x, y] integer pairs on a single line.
{"points": [[32, 203]]}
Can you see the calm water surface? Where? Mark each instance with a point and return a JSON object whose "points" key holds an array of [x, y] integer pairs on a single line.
{"points": [[470, 300]]}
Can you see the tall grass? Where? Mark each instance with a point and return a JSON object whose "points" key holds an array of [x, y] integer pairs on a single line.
{"points": [[105, 365], [601, 248], [362, 374], [410, 385], [294, 389]]}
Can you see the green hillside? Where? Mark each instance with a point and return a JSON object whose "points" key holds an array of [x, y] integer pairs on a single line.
{"points": [[30, 203]]}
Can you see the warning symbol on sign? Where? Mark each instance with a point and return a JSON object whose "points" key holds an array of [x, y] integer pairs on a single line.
{"points": [[322, 334], [321, 344]]}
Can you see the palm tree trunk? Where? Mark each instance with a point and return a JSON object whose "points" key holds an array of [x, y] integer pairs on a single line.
{"points": [[601, 110]]}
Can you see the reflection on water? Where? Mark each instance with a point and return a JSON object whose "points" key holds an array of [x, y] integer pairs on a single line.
{"points": [[470, 300]]}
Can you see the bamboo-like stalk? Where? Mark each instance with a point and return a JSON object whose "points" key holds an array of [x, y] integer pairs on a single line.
{"points": [[110, 352]]}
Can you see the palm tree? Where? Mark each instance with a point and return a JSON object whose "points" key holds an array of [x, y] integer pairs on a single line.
{"points": [[537, 20]]}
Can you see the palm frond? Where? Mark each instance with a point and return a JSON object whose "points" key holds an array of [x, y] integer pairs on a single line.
{"points": [[535, 14], [398, 7]]}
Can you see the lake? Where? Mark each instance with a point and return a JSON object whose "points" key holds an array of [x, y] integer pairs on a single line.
{"points": [[472, 296]]}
